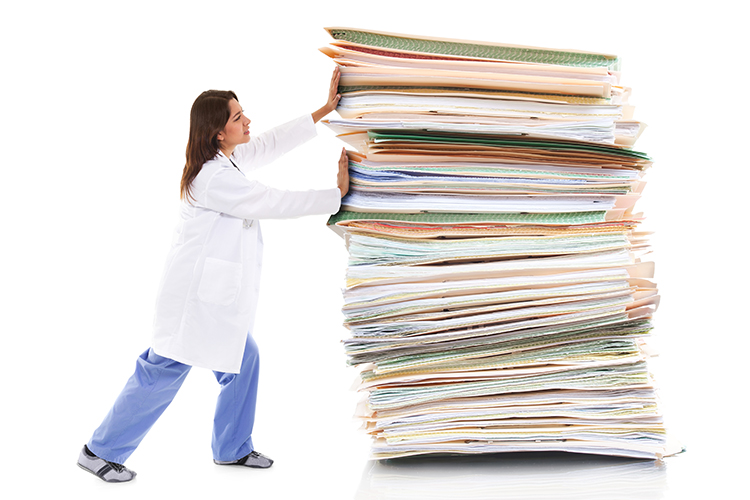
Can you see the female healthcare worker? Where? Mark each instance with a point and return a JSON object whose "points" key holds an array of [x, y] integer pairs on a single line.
{"points": [[209, 291]]}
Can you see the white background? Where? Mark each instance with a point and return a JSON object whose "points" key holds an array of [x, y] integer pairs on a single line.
{"points": [[94, 115]]}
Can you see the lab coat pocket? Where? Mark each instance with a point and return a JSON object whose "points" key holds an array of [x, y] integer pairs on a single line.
{"points": [[220, 281]]}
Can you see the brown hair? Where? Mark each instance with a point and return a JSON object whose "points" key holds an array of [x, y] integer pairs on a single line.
{"points": [[208, 117]]}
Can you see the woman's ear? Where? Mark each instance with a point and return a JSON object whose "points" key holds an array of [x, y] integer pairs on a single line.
{"points": [[219, 136]]}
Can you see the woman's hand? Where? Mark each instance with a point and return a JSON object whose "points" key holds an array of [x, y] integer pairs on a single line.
{"points": [[333, 97], [343, 177]]}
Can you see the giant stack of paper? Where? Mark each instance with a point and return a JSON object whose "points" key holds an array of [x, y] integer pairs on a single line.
{"points": [[495, 294]]}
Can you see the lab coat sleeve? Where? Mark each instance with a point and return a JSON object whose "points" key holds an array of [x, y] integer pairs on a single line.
{"points": [[231, 193], [272, 144]]}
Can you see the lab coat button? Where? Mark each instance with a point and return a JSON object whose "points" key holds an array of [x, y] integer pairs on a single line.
{"points": [[247, 223]]}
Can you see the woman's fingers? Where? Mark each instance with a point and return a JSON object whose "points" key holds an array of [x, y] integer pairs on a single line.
{"points": [[343, 175], [333, 96]]}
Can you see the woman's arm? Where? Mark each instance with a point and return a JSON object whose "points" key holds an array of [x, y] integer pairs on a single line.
{"points": [[230, 193], [272, 144]]}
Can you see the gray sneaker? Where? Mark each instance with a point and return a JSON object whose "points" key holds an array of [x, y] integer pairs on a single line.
{"points": [[254, 459], [106, 471]]}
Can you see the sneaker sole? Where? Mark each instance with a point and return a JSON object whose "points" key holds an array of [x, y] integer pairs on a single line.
{"points": [[244, 465], [100, 477]]}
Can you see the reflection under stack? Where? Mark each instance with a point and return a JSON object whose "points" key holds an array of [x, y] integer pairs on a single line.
{"points": [[495, 292]]}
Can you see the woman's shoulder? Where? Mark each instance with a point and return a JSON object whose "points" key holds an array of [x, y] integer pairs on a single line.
{"points": [[209, 170], [217, 168], [213, 165]]}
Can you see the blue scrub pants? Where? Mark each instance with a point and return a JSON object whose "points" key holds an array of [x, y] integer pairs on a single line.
{"points": [[154, 385]]}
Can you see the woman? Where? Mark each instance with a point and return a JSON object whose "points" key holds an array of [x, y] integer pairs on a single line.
{"points": [[208, 295]]}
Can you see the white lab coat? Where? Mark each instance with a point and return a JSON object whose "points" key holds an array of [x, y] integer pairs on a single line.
{"points": [[209, 291]]}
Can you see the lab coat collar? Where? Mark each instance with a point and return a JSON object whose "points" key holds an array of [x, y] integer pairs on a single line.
{"points": [[227, 162], [220, 154]]}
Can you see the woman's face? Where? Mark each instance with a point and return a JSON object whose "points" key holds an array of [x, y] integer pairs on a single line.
{"points": [[237, 129]]}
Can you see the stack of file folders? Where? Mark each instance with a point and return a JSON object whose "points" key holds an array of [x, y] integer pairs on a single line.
{"points": [[495, 292]]}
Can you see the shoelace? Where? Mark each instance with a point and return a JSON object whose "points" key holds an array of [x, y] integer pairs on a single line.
{"points": [[117, 467], [252, 454]]}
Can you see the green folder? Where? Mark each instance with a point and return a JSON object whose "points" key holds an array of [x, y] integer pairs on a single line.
{"points": [[570, 218], [380, 136], [482, 50]]}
